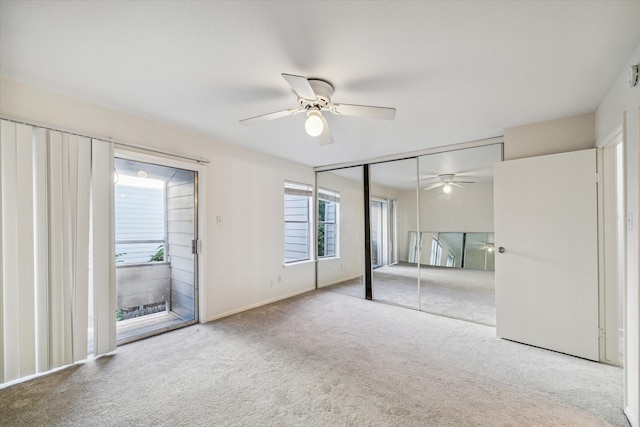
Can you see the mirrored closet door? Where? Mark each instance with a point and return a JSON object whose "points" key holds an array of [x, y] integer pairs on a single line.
{"points": [[431, 241], [340, 231], [393, 215], [456, 230]]}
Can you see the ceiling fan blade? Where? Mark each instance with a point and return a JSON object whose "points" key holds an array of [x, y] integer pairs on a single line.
{"points": [[463, 182], [272, 116], [432, 186], [325, 138], [432, 177], [371, 112], [455, 184], [300, 86]]}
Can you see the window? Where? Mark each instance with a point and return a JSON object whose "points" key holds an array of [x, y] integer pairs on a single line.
{"points": [[297, 222], [328, 213], [451, 260], [436, 251]]}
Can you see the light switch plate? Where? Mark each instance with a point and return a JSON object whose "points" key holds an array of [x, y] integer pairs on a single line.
{"points": [[634, 75]]}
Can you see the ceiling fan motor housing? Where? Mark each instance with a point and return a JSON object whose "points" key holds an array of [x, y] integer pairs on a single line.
{"points": [[323, 90], [447, 177]]}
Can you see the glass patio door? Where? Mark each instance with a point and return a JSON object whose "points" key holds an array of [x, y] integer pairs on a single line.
{"points": [[392, 222], [379, 233], [155, 242]]}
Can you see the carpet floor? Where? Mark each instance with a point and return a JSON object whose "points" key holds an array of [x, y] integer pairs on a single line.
{"points": [[324, 359], [452, 292]]}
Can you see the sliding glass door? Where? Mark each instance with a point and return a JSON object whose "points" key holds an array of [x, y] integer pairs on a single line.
{"points": [[379, 232], [155, 246]]}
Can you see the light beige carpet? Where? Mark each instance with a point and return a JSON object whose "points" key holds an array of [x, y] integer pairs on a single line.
{"points": [[452, 292], [324, 359]]}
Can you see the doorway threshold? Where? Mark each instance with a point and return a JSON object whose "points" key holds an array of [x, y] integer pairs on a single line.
{"points": [[144, 326]]}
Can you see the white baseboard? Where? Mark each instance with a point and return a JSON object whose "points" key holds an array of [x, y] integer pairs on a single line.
{"points": [[338, 281], [629, 415], [256, 305]]}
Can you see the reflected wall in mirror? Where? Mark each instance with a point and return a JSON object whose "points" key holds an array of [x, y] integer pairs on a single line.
{"points": [[456, 190], [340, 230]]}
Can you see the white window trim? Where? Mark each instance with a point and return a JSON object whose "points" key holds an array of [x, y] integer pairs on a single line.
{"points": [[306, 190]]}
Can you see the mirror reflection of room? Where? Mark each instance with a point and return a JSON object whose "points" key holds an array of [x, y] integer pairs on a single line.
{"points": [[455, 218], [393, 214], [340, 250], [431, 226]]}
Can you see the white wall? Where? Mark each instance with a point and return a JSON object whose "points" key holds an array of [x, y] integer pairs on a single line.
{"points": [[551, 137], [621, 106], [350, 263], [243, 267]]}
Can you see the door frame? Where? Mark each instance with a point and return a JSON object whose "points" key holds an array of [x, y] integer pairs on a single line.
{"points": [[612, 256], [140, 155]]}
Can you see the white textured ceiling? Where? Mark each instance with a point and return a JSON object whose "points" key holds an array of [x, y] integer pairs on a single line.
{"points": [[455, 71]]}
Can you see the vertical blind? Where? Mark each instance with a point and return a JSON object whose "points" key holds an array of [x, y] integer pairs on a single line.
{"points": [[55, 243]]}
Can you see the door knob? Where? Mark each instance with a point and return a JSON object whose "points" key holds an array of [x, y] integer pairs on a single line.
{"points": [[501, 249]]}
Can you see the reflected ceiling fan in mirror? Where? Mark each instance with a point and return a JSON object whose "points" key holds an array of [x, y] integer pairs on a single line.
{"points": [[314, 97], [447, 181]]}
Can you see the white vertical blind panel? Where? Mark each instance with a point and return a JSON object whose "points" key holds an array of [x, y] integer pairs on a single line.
{"points": [[68, 236], [24, 184], [103, 255], [45, 195], [82, 168], [41, 239], [70, 178], [11, 295], [58, 328]]}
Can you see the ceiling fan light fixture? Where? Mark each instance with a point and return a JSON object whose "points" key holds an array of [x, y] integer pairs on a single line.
{"points": [[446, 188], [314, 125]]}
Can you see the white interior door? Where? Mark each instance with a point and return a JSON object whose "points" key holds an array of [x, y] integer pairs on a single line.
{"points": [[547, 276]]}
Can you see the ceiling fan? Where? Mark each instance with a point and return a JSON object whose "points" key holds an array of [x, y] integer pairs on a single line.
{"points": [[446, 182], [314, 96]]}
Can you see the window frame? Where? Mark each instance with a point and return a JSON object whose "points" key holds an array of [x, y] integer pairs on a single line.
{"points": [[306, 190], [328, 196], [436, 251]]}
